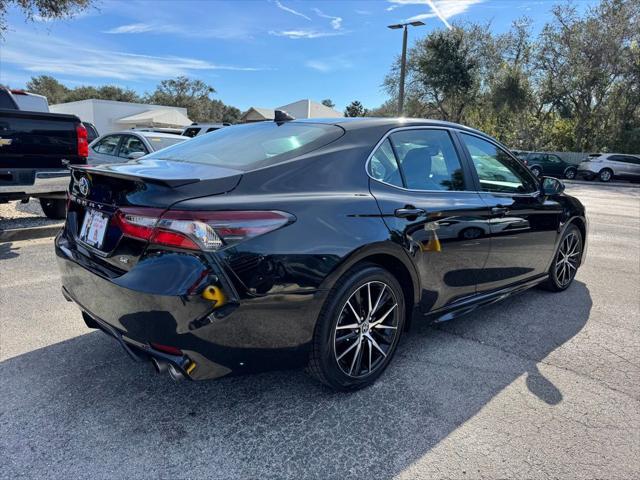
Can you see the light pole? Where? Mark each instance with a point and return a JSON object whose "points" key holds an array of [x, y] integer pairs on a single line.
{"points": [[403, 63]]}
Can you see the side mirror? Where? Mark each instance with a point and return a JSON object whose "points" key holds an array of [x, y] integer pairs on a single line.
{"points": [[551, 186], [134, 155]]}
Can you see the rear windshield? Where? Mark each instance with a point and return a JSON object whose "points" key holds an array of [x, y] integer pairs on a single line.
{"points": [[249, 146], [163, 142]]}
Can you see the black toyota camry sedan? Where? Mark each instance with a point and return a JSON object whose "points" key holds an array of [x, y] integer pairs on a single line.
{"points": [[309, 243]]}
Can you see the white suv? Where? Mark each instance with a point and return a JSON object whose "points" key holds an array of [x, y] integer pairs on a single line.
{"points": [[607, 166]]}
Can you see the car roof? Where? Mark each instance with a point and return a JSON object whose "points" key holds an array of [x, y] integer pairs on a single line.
{"points": [[353, 123]]}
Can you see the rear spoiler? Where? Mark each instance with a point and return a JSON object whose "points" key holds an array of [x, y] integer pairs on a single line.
{"points": [[168, 182]]}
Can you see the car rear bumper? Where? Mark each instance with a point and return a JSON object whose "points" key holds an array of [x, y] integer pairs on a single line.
{"points": [[33, 182], [246, 334]]}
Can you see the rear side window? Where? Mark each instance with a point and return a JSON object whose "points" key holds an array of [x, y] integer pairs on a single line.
{"points": [[383, 165], [6, 101], [245, 147], [428, 159]]}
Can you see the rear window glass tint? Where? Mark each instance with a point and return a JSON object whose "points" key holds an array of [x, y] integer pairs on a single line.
{"points": [[158, 143], [250, 146]]}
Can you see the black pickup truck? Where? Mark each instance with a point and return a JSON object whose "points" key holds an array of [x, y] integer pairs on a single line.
{"points": [[35, 148]]}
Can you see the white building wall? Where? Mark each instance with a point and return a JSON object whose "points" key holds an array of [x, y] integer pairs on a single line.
{"points": [[104, 114]]}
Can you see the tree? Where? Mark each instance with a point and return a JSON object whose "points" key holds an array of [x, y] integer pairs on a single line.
{"points": [[327, 102], [45, 9], [48, 86], [184, 92], [355, 109]]}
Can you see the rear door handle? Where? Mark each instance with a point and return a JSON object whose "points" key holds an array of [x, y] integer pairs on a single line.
{"points": [[499, 210], [409, 211]]}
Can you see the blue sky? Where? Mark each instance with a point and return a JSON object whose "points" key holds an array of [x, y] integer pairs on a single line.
{"points": [[255, 53]]}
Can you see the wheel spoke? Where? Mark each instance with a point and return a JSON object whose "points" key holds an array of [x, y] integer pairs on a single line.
{"points": [[375, 344], [369, 299], [387, 327], [351, 326], [370, 350], [349, 349], [383, 318], [353, 310], [355, 356], [375, 307]]}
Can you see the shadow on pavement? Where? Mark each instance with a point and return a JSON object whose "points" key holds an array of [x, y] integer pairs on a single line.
{"points": [[81, 408], [7, 251]]}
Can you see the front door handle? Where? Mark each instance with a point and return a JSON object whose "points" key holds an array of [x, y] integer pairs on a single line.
{"points": [[499, 210], [409, 211]]}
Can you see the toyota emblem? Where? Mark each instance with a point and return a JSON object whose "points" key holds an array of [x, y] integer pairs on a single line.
{"points": [[83, 186]]}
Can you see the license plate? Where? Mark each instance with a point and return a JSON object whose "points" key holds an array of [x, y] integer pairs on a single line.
{"points": [[94, 226]]}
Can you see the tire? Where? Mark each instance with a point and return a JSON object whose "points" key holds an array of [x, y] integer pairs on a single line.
{"points": [[471, 233], [537, 171], [352, 360], [54, 208], [570, 174], [561, 278], [605, 175]]}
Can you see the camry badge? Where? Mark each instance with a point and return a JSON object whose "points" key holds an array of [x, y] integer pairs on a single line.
{"points": [[83, 186]]}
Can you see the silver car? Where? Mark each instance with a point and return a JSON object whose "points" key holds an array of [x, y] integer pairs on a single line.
{"points": [[607, 166], [128, 145]]}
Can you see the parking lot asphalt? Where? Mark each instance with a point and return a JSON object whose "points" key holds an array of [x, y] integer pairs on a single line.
{"points": [[540, 385]]}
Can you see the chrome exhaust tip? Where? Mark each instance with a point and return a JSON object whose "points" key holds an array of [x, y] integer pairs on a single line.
{"points": [[175, 374], [160, 366]]}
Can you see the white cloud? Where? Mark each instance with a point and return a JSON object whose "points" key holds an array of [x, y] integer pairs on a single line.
{"points": [[131, 28], [58, 56], [291, 10], [184, 31], [305, 33], [336, 22], [330, 64], [442, 9], [363, 12]]}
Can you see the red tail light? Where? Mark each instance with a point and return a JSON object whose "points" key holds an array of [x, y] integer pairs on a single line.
{"points": [[198, 230], [83, 143]]}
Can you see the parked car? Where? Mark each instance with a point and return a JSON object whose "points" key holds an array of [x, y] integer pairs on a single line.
{"points": [[129, 144], [607, 166], [549, 164], [282, 244], [92, 131], [34, 149], [201, 128]]}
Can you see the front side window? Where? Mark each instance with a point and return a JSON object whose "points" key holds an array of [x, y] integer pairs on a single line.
{"points": [[108, 145], [131, 145], [554, 159], [254, 145], [383, 165], [498, 171], [428, 159]]}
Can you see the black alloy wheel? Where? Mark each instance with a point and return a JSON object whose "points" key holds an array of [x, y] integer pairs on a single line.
{"points": [[536, 171], [358, 329], [566, 261], [570, 174]]}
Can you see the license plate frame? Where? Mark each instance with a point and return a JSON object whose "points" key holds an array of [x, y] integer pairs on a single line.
{"points": [[94, 228]]}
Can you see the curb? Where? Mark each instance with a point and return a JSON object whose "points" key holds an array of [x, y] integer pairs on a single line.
{"points": [[30, 233]]}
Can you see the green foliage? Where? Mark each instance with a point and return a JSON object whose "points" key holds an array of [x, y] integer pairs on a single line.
{"points": [[355, 109], [45, 9], [574, 87]]}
